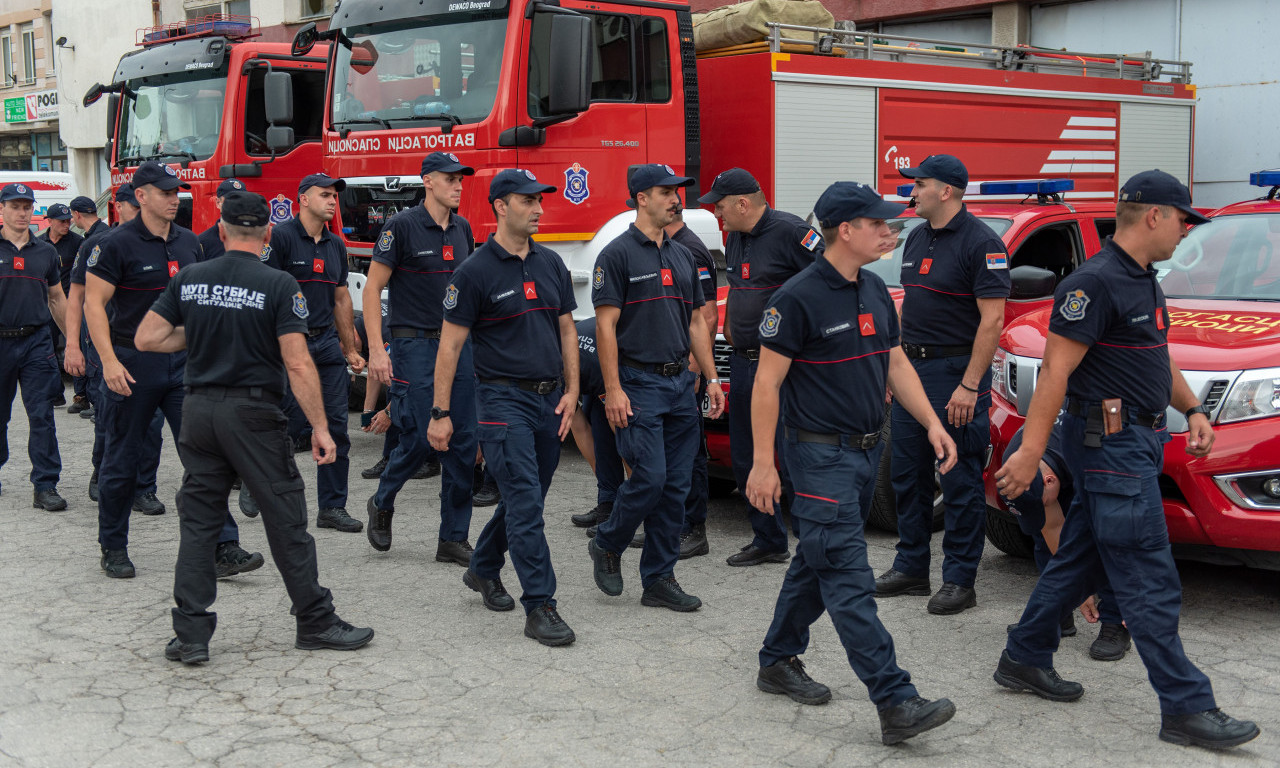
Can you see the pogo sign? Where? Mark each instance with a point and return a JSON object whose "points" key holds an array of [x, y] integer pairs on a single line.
{"points": [[42, 105]]}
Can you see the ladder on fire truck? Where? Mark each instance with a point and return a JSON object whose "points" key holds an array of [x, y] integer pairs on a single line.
{"points": [[855, 44]]}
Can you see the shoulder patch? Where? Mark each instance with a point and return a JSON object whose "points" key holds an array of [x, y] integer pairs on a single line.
{"points": [[93, 256], [384, 242], [597, 279], [997, 261], [1074, 305], [266, 253], [300, 305], [769, 325], [451, 296], [811, 240]]}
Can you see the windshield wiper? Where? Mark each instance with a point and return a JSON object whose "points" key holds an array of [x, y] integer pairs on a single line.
{"points": [[130, 159], [448, 117], [371, 120], [175, 153]]}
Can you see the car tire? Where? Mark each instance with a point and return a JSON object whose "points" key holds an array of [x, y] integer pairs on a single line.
{"points": [[1006, 535], [884, 504], [720, 487]]}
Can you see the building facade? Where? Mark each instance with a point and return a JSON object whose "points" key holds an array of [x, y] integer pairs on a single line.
{"points": [[29, 135]]}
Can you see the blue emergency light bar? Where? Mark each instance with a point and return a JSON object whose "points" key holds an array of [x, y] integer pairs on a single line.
{"points": [[904, 190], [1026, 187], [1265, 179]]}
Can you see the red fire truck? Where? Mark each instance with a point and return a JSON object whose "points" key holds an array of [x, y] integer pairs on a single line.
{"points": [[1223, 292], [207, 98]]}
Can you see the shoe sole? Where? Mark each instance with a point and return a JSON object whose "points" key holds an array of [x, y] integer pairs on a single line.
{"points": [[369, 531], [1110, 656], [1186, 739], [150, 512], [595, 572], [899, 735], [470, 581], [770, 687], [1014, 684], [252, 564], [698, 552], [450, 559], [654, 602], [776, 557], [951, 610], [188, 657], [368, 476], [54, 508], [553, 642], [358, 527], [919, 590], [129, 574], [308, 645]]}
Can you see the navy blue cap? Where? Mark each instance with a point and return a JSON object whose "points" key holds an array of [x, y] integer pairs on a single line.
{"points": [[58, 211], [734, 181], [125, 195], [516, 181], [245, 209], [444, 162], [849, 200], [644, 177], [82, 204], [158, 175], [1159, 188], [944, 168], [229, 185], [16, 191], [1031, 502], [320, 180]]}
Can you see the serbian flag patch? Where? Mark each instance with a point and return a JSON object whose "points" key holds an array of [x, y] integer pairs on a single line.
{"points": [[997, 261], [704, 273], [811, 240]]}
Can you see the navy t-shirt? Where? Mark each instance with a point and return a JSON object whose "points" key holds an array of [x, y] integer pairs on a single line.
{"points": [[591, 380], [1117, 308], [513, 308], [758, 262], [95, 234], [318, 267], [944, 272], [656, 287], [838, 335], [25, 277], [422, 257], [67, 247], [210, 244], [702, 259], [139, 265]]}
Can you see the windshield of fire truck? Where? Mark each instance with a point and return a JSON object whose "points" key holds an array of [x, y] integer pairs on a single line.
{"points": [[172, 116], [1232, 257], [411, 73], [889, 267]]}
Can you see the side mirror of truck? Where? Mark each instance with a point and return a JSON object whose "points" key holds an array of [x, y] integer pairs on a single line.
{"points": [[304, 40], [278, 91], [279, 138], [113, 107], [1031, 282], [94, 93], [570, 65]]}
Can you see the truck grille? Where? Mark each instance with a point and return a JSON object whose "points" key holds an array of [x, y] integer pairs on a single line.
{"points": [[366, 208], [721, 353]]}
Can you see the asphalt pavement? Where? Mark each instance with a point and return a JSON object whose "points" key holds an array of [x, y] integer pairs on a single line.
{"points": [[83, 679]]}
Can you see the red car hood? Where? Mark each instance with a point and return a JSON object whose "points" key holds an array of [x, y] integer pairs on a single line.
{"points": [[1204, 335]]}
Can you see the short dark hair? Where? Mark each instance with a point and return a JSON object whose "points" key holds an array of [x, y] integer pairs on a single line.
{"points": [[237, 232], [1129, 214]]}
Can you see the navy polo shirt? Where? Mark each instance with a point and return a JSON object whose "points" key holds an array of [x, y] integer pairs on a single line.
{"points": [[590, 379], [422, 257], [656, 287], [234, 298], [944, 272], [25, 277], [1117, 308], [139, 265], [513, 308], [319, 267], [758, 262], [702, 259], [67, 247], [838, 335], [94, 236], [211, 244]]}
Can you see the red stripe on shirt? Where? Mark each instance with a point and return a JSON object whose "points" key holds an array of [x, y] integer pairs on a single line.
{"points": [[935, 290], [842, 360]]}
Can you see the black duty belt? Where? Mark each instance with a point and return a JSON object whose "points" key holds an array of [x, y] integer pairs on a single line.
{"points": [[314, 332], [415, 333], [120, 340], [662, 369], [752, 353], [543, 387], [1128, 415], [860, 442], [18, 333], [922, 352], [220, 393]]}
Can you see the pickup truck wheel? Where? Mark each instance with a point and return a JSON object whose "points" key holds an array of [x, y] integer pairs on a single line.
{"points": [[884, 505], [1005, 534]]}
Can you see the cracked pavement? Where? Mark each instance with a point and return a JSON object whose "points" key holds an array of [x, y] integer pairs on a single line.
{"points": [[84, 682]]}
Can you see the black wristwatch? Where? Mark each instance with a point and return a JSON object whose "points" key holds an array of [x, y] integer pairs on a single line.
{"points": [[1202, 408], [438, 413]]}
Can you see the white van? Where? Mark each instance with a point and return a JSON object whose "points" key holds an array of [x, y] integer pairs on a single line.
{"points": [[49, 187]]}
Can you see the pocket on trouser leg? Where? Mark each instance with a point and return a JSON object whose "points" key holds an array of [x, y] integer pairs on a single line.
{"points": [[492, 439], [1121, 516], [398, 401], [268, 423]]}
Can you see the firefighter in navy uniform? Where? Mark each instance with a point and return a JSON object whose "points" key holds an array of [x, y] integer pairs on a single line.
{"points": [[416, 253], [126, 272], [1107, 353], [955, 279], [829, 346], [514, 297], [233, 426], [65, 242], [646, 294], [210, 243], [305, 248], [30, 298], [764, 249], [84, 215]]}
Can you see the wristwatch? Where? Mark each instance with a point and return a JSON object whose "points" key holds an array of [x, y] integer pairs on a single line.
{"points": [[438, 413], [1202, 408]]}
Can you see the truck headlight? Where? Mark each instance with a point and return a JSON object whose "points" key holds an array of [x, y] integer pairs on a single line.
{"points": [[1255, 395], [1000, 383]]}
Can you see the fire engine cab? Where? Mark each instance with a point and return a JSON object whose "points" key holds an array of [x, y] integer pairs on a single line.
{"points": [[1223, 291]]}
